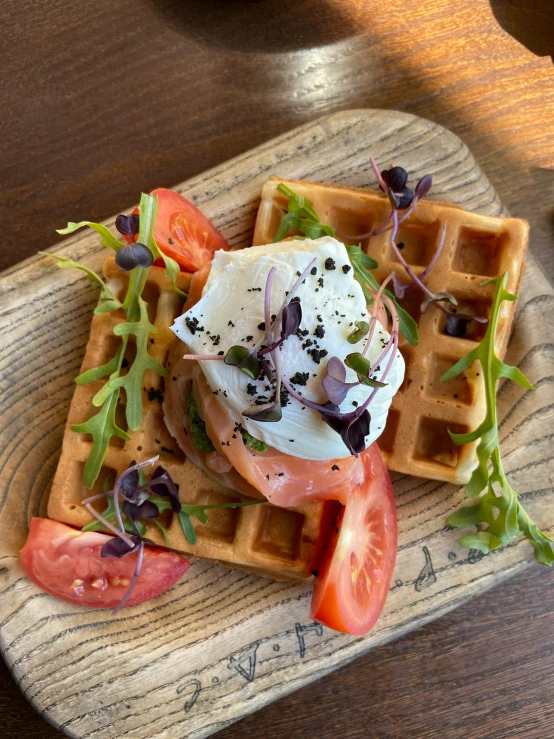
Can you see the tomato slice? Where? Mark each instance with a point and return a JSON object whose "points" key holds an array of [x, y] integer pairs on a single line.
{"points": [[184, 232], [67, 564], [357, 566]]}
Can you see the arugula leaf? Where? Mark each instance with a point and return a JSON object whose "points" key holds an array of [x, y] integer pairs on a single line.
{"points": [[406, 324], [108, 301], [501, 512], [132, 381], [197, 427], [148, 209], [199, 512], [108, 239], [301, 216], [163, 529], [101, 427]]}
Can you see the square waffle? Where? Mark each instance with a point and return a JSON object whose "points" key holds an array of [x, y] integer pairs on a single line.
{"points": [[272, 541], [476, 248]]}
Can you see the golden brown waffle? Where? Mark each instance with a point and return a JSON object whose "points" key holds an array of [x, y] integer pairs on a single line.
{"points": [[476, 248], [273, 541]]}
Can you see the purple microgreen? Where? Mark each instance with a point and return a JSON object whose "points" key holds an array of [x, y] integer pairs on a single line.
{"points": [[133, 582], [334, 384], [290, 319], [109, 526], [141, 511], [437, 298], [134, 255], [116, 547], [362, 367], [352, 428], [376, 309], [401, 288], [128, 225], [423, 187], [269, 413], [119, 483], [162, 484], [456, 325], [361, 330], [245, 360], [395, 177]]}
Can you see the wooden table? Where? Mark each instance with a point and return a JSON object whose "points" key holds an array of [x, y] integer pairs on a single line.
{"points": [[100, 100]]}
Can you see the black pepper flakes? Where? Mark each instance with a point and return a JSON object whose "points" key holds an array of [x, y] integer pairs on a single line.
{"points": [[335, 467], [192, 325], [313, 271], [319, 331], [300, 378], [155, 394], [261, 326], [330, 264], [346, 268], [251, 389]]}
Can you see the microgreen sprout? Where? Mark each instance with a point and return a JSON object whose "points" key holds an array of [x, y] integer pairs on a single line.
{"points": [[497, 513], [361, 330], [134, 500]]}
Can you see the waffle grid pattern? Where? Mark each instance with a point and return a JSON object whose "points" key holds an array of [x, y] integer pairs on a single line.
{"points": [[269, 540], [476, 248]]}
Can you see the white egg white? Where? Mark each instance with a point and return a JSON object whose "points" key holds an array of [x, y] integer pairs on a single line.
{"points": [[231, 310]]}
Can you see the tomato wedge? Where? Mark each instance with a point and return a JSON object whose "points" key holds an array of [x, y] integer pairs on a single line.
{"points": [[357, 566], [184, 232], [67, 564]]}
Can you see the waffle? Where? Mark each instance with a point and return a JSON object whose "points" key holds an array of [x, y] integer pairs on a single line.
{"points": [[476, 248], [276, 542]]}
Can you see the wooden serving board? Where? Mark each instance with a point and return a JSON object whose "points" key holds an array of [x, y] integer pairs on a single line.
{"points": [[223, 643]]}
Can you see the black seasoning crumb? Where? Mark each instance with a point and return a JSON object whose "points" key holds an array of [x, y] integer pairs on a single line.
{"points": [[330, 264], [346, 268], [231, 324], [313, 271], [225, 393], [261, 326], [267, 477], [355, 403], [168, 451], [151, 341], [298, 273], [220, 354], [273, 316], [318, 354], [228, 443], [261, 401], [251, 389], [320, 319], [215, 392], [125, 363], [215, 340], [296, 299], [304, 332], [249, 338], [170, 240], [319, 331], [155, 394], [335, 467], [192, 324], [234, 436], [307, 343], [400, 245], [280, 474], [300, 378], [321, 282], [284, 397], [254, 290], [317, 289], [291, 440]]}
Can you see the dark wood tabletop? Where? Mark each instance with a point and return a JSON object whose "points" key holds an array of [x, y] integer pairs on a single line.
{"points": [[100, 100]]}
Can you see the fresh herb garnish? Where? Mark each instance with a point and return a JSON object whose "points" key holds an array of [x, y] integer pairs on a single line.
{"points": [[362, 367], [499, 510], [245, 359], [133, 501], [122, 375], [197, 427], [301, 216], [361, 330]]}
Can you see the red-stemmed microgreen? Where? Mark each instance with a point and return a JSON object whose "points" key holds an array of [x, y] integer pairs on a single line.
{"points": [[132, 501]]}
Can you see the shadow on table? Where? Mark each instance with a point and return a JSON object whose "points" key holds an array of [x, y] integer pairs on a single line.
{"points": [[531, 22], [267, 26]]}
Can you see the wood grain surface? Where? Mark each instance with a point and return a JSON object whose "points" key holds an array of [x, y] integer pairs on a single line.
{"points": [[90, 114], [221, 643]]}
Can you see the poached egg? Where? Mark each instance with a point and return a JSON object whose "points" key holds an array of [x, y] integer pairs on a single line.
{"points": [[231, 312]]}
